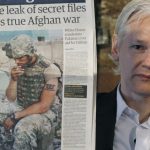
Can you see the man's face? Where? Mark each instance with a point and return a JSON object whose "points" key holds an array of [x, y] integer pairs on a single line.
{"points": [[22, 61], [134, 59]]}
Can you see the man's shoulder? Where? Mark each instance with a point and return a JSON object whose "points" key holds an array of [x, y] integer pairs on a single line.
{"points": [[107, 97], [43, 61], [104, 95], [50, 69], [106, 101], [53, 71], [105, 119]]}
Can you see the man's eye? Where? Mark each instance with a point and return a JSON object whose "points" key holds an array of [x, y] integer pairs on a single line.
{"points": [[138, 47]]}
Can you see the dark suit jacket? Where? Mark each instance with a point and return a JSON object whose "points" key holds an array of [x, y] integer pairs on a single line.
{"points": [[105, 120]]}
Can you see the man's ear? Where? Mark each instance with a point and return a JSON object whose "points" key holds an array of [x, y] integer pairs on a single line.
{"points": [[114, 48]]}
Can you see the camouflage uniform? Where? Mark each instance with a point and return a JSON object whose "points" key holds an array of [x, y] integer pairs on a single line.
{"points": [[5, 106], [34, 131], [36, 128]]}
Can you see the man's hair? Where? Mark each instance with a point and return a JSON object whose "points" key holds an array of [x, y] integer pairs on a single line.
{"points": [[135, 8]]}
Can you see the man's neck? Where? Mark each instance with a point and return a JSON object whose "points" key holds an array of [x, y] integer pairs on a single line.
{"points": [[139, 103]]}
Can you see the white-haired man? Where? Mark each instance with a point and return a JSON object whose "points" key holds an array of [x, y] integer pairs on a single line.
{"points": [[123, 116], [33, 86]]}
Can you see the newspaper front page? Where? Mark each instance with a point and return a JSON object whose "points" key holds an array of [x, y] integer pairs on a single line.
{"points": [[47, 74]]}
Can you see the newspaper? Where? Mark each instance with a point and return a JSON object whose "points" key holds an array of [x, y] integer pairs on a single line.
{"points": [[63, 39]]}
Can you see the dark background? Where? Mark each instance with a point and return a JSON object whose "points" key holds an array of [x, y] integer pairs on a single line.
{"points": [[106, 12]]}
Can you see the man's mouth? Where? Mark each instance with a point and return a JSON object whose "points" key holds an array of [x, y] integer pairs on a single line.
{"points": [[143, 76]]}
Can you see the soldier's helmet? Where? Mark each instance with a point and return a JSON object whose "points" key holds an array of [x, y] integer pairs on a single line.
{"points": [[19, 46]]}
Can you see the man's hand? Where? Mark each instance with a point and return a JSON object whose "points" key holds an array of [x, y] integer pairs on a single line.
{"points": [[16, 72], [8, 123]]}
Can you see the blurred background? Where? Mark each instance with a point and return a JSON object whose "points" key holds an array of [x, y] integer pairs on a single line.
{"points": [[106, 12]]}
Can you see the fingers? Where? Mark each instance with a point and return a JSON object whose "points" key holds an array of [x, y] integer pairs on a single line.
{"points": [[17, 69], [8, 123], [16, 72]]}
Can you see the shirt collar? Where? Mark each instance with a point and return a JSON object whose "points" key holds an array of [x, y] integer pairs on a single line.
{"points": [[121, 105]]}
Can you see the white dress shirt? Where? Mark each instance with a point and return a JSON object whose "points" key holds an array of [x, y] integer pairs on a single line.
{"points": [[129, 133]]}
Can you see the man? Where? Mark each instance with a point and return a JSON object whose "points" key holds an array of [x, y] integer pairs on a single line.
{"points": [[123, 115], [33, 86]]}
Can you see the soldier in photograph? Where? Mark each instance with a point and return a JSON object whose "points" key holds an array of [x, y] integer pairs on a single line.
{"points": [[32, 90]]}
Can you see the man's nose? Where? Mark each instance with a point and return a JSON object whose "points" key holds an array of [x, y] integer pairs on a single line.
{"points": [[146, 60]]}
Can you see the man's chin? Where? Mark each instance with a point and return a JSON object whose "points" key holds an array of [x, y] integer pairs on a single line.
{"points": [[142, 90]]}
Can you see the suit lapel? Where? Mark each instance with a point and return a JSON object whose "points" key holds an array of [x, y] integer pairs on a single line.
{"points": [[106, 119]]}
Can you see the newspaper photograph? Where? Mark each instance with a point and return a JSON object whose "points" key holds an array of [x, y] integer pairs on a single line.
{"points": [[47, 75]]}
